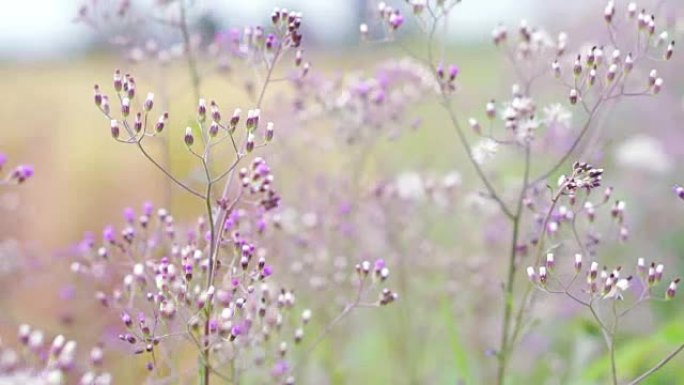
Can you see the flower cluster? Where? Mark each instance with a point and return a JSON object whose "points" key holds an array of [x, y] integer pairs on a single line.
{"points": [[17, 175], [40, 362], [602, 283], [361, 105]]}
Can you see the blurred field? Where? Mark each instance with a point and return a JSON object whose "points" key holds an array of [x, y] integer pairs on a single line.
{"points": [[84, 180]]}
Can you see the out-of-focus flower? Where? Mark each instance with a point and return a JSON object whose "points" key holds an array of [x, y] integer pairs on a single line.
{"points": [[484, 150], [644, 153]]}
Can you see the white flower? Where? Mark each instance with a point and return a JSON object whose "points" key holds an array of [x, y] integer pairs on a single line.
{"points": [[526, 130], [484, 150], [645, 153], [556, 114], [410, 186]]}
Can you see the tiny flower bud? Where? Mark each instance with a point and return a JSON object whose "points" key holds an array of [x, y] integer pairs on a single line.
{"points": [[574, 95], [577, 67], [578, 262], [657, 85], [213, 129], [555, 66], [269, 131], [670, 50], [652, 76], [550, 262], [114, 126], [679, 190], [149, 102], [531, 274], [189, 139], [202, 110], [97, 95], [629, 63], [490, 109], [609, 12], [474, 125], [125, 107], [672, 289], [363, 30], [542, 275], [118, 82], [249, 146]]}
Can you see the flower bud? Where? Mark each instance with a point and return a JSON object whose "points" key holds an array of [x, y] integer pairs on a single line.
{"points": [[202, 110], [125, 107], [118, 82], [577, 67], [550, 261], [578, 262], [543, 275], [652, 77], [161, 122], [114, 127], [363, 30], [555, 66], [474, 125], [490, 109], [189, 139], [574, 96], [249, 146], [670, 50], [269, 131], [629, 63], [672, 289], [609, 12], [138, 123], [213, 129], [97, 95], [657, 85], [531, 274], [149, 102]]}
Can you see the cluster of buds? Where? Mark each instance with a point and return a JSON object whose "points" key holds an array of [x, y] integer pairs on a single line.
{"points": [[531, 42], [257, 180], [289, 23], [54, 362], [604, 283], [608, 66], [240, 309], [376, 271], [18, 175], [381, 101], [136, 129], [584, 176], [390, 15], [255, 44], [447, 79]]}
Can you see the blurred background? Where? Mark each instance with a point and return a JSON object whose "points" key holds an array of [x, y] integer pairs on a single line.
{"points": [[50, 58]]}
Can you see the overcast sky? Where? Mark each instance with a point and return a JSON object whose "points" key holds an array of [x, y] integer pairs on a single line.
{"points": [[40, 29]]}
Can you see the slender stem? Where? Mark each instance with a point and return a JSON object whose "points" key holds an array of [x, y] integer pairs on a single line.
{"points": [[659, 365], [510, 281], [611, 346], [167, 173], [464, 141], [574, 145]]}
